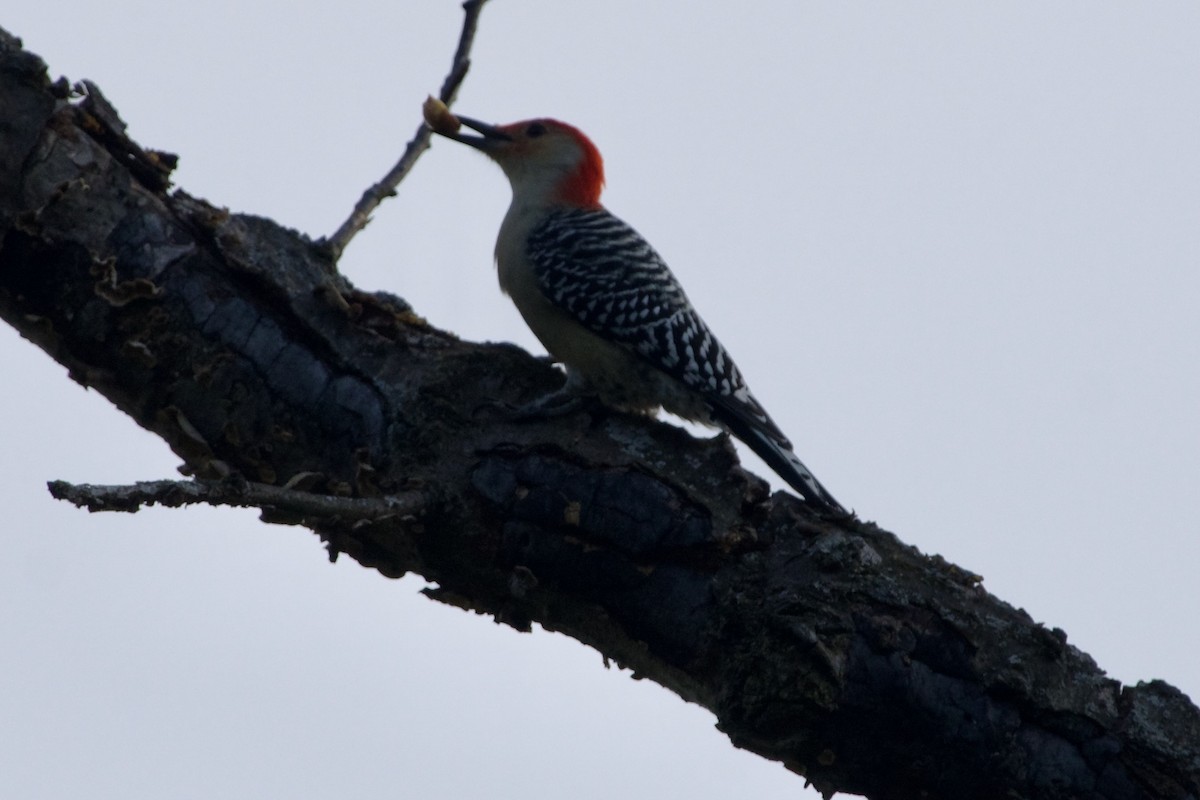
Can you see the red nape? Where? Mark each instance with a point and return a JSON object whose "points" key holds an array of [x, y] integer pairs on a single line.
{"points": [[582, 187]]}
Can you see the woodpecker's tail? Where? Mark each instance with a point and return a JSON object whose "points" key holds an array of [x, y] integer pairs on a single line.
{"points": [[764, 438], [780, 457]]}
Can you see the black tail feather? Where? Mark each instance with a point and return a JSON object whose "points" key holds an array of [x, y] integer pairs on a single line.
{"points": [[778, 455]]}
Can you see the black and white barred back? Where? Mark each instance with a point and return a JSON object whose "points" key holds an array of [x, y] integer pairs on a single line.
{"points": [[608, 277], [604, 274]]}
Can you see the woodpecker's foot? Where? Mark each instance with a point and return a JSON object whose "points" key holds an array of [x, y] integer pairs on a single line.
{"points": [[555, 404]]}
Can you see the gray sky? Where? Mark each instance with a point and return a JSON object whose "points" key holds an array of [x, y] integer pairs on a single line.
{"points": [[955, 247]]}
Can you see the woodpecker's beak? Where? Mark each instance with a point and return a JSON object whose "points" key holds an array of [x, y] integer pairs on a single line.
{"points": [[491, 135]]}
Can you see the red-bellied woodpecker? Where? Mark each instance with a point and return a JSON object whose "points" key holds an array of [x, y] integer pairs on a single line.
{"points": [[604, 303]]}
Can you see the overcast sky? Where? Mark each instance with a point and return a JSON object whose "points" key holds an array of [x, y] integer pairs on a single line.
{"points": [[955, 247]]}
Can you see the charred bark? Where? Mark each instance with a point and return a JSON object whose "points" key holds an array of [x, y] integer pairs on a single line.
{"points": [[823, 643]]}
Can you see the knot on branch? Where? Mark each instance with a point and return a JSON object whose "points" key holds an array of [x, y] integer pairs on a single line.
{"points": [[618, 537], [619, 508]]}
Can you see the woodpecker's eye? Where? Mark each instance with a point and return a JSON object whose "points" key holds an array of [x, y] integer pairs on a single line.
{"points": [[535, 130]]}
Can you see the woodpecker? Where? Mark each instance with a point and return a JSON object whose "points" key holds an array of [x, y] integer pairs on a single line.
{"points": [[604, 303]]}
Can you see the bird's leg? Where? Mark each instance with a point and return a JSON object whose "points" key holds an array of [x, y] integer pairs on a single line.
{"points": [[573, 395], [556, 404]]}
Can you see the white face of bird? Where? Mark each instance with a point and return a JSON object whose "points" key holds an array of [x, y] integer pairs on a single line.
{"points": [[538, 159], [546, 161]]}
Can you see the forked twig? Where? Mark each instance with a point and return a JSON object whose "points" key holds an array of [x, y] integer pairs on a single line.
{"points": [[334, 245]]}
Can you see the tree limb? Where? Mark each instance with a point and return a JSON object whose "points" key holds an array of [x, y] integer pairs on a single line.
{"points": [[826, 644]]}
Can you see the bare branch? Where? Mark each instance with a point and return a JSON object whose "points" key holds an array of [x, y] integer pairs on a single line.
{"points": [[239, 494], [334, 245]]}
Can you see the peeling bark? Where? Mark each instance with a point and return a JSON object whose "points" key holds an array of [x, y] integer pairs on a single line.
{"points": [[824, 643]]}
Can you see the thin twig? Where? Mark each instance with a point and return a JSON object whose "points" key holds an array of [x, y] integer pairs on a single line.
{"points": [[334, 245], [173, 494]]}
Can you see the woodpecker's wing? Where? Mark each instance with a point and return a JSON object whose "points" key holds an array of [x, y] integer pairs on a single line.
{"points": [[605, 275]]}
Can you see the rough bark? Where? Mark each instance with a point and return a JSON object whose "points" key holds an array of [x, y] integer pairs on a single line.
{"points": [[826, 644]]}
